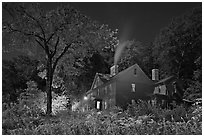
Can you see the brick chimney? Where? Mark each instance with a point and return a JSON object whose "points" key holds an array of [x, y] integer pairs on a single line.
{"points": [[155, 74], [114, 70]]}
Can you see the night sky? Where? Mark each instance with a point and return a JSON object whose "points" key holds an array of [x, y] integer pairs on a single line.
{"points": [[135, 20]]}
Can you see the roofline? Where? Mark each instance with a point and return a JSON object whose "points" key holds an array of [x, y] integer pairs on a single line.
{"points": [[163, 81], [113, 78], [94, 80]]}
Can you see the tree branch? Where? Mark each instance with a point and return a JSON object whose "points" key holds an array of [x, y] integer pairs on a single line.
{"points": [[5, 7], [60, 56], [56, 44], [40, 44], [54, 33], [25, 33], [50, 37], [30, 16]]}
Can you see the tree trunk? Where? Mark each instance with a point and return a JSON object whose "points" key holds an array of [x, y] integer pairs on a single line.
{"points": [[49, 86]]}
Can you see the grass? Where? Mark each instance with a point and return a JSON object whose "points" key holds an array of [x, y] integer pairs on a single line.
{"points": [[22, 120]]}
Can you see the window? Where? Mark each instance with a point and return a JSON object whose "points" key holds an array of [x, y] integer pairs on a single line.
{"points": [[133, 101], [98, 92], [135, 71], [105, 105], [110, 86], [98, 104], [133, 87], [106, 90], [159, 89]]}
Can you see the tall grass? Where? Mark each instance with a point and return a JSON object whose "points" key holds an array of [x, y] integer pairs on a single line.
{"points": [[136, 120]]}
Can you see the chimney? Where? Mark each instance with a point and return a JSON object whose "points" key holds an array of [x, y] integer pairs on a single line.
{"points": [[114, 70], [155, 74]]}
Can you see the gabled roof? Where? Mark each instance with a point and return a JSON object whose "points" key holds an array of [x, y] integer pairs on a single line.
{"points": [[107, 78], [103, 77], [95, 78], [166, 80]]}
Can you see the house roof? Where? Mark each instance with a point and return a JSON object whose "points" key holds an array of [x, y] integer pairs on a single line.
{"points": [[104, 77], [107, 78], [166, 80]]}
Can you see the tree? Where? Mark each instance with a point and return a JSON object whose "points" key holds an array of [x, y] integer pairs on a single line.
{"points": [[57, 32], [179, 45], [98, 58], [15, 74]]}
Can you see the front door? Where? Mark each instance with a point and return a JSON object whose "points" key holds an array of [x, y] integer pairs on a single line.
{"points": [[98, 104]]}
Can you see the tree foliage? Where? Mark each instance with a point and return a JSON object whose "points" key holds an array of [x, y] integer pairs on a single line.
{"points": [[179, 46], [16, 73], [60, 32]]}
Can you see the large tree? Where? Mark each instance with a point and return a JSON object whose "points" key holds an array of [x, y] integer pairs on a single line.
{"points": [[60, 32], [178, 46]]}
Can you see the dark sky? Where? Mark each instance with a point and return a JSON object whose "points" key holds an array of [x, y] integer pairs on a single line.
{"points": [[135, 20]]}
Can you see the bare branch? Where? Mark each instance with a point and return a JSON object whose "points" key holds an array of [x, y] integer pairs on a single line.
{"points": [[6, 8], [50, 37], [30, 16], [54, 32], [25, 33], [40, 44], [60, 56], [55, 47]]}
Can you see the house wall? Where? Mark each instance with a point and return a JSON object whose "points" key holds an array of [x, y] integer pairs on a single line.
{"points": [[104, 93], [143, 86], [118, 91]]}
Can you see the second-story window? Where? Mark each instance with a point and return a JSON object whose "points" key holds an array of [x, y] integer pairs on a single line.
{"points": [[133, 87], [135, 71], [106, 90], [98, 92]]}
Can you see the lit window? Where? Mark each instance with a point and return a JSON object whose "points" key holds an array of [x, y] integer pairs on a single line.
{"points": [[105, 105], [133, 101], [98, 104], [133, 87]]}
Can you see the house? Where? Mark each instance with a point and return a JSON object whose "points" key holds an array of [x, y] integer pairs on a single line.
{"points": [[167, 90], [125, 87]]}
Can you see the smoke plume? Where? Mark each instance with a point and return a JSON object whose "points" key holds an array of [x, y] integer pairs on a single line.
{"points": [[125, 34], [119, 50]]}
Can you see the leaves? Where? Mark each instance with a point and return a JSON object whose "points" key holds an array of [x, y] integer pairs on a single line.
{"points": [[178, 46]]}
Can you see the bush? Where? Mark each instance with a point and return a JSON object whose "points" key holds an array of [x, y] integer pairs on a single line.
{"points": [[20, 117], [135, 121]]}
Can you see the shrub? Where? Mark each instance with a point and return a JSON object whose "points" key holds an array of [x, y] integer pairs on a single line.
{"points": [[134, 121]]}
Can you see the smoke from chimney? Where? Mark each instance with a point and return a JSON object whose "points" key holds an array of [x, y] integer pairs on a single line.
{"points": [[118, 52], [120, 48], [125, 34]]}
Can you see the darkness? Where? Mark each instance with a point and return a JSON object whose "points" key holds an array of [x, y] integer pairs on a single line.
{"points": [[140, 21], [135, 20]]}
